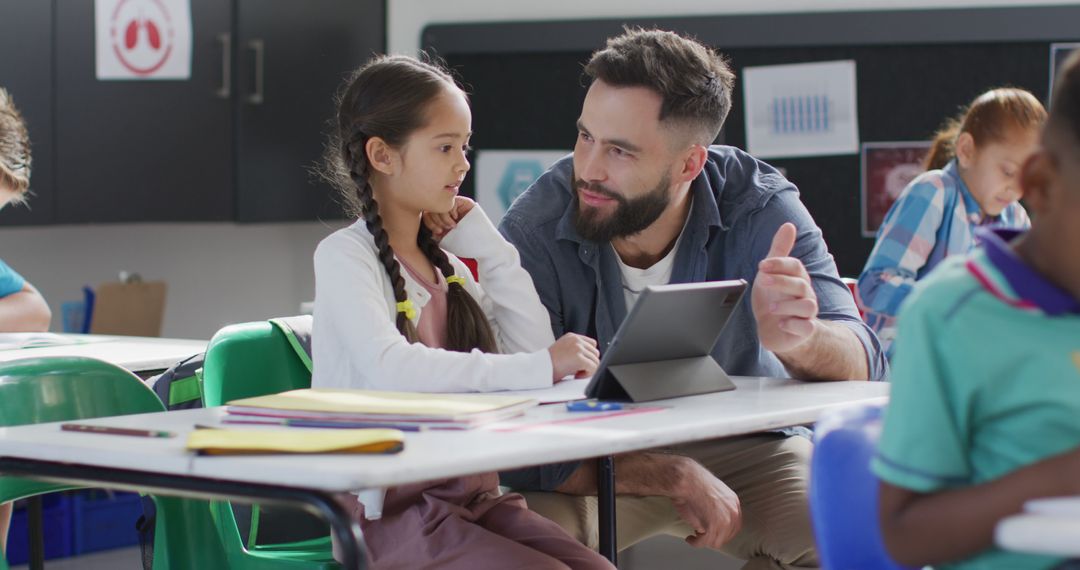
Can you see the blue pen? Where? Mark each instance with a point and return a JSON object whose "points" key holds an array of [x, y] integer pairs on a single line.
{"points": [[592, 406]]}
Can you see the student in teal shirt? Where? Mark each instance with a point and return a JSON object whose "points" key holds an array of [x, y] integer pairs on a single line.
{"points": [[985, 399]]}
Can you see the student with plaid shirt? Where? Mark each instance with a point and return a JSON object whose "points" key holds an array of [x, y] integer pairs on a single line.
{"points": [[937, 214]]}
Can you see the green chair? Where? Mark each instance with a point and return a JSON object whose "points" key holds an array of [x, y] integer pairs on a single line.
{"points": [[39, 390], [242, 361]]}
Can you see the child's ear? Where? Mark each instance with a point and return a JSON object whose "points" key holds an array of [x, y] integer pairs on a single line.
{"points": [[380, 155], [1036, 178], [965, 150]]}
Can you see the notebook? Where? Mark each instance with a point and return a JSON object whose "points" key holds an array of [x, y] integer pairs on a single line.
{"points": [[250, 442], [451, 411]]}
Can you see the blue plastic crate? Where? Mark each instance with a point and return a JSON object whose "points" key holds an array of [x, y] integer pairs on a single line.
{"points": [[56, 526], [102, 520]]}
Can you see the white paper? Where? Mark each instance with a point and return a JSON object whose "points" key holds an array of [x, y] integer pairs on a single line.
{"points": [[805, 109], [565, 391], [9, 341], [1058, 54], [143, 39], [1055, 506], [502, 175]]}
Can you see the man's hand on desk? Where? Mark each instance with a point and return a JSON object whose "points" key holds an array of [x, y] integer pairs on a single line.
{"points": [[709, 506]]}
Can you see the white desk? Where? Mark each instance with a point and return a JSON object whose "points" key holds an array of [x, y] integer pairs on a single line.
{"points": [[1050, 526], [135, 353], [162, 465]]}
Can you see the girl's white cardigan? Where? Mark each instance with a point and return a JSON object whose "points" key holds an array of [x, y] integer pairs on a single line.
{"points": [[356, 345]]}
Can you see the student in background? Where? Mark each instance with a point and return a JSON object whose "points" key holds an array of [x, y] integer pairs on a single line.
{"points": [[397, 310], [22, 309], [986, 379], [936, 215]]}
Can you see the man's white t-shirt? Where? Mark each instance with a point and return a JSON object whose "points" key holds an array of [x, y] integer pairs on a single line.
{"points": [[635, 280]]}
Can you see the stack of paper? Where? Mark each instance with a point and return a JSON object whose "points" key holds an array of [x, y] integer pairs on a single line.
{"points": [[247, 442], [369, 408]]}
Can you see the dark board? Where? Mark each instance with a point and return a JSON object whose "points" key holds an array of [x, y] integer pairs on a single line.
{"points": [[530, 99]]}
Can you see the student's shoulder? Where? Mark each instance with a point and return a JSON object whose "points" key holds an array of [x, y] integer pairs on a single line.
{"points": [[944, 295], [931, 186], [540, 207], [351, 242]]}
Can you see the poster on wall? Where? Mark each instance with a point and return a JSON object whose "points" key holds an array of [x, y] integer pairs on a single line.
{"points": [[887, 168], [501, 175], [1058, 54], [143, 39], [804, 109]]}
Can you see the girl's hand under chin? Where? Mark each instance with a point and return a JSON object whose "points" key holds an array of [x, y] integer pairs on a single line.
{"points": [[441, 224]]}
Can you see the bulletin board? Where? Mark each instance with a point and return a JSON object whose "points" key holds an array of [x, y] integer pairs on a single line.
{"points": [[914, 69]]}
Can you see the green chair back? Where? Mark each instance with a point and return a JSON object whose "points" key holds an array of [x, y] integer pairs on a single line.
{"points": [[40, 390], [243, 361], [56, 389], [251, 359]]}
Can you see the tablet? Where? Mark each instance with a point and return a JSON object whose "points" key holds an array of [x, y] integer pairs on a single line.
{"points": [[664, 347]]}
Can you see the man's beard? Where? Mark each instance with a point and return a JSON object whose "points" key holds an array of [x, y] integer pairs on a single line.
{"points": [[630, 216]]}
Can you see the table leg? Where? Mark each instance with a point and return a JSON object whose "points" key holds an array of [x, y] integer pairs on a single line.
{"points": [[36, 533], [605, 502], [323, 503]]}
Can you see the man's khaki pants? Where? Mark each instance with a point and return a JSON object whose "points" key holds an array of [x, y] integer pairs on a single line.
{"points": [[768, 472]]}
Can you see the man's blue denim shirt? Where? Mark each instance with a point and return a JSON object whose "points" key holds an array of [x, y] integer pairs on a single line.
{"points": [[739, 203]]}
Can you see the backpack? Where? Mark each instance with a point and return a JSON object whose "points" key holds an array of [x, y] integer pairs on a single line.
{"points": [[181, 388]]}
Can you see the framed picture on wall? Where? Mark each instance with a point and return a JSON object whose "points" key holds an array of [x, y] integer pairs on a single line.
{"points": [[887, 168], [1058, 53]]}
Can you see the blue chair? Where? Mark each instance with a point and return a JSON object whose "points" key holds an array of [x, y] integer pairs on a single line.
{"points": [[844, 492]]}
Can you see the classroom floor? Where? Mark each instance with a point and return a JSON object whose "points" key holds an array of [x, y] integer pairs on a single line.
{"points": [[656, 553]]}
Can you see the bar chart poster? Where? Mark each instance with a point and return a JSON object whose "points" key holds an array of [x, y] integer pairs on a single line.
{"points": [[804, 109], [887, 168]]}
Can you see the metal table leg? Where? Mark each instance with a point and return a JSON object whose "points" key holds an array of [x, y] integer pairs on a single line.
{"points": [[605, 502], [36, 533]]}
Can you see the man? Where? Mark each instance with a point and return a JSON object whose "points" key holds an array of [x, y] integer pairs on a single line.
{"points": [[643, 201]]}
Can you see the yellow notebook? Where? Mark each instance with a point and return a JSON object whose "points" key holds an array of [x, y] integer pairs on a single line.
{"points": [[245, 442], [380, 403]]}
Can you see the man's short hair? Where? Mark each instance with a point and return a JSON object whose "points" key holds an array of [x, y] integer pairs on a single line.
{"points": [[14, 146], [694, 81]]}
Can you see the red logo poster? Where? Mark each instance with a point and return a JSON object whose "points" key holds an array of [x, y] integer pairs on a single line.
{"points": [[887, 168]]}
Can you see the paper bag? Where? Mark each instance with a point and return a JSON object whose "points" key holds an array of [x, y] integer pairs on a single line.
{"points": [[134, 308]]}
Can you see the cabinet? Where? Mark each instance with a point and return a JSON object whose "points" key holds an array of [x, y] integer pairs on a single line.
{"points": [[292, 57], [236, 141]]}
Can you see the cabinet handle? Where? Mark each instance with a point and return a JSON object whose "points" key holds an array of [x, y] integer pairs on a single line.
{"points": [[225, 91], [256, 46]]}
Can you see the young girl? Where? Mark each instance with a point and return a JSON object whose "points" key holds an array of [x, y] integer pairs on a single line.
{"points": [[986, 380], [936, 215], [395, 310]]}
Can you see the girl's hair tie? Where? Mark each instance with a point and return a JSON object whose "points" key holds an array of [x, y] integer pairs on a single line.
{"points": [[455, 279], [408, 308]]}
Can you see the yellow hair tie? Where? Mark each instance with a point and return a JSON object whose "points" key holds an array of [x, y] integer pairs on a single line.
{"points": [[455, 279], [407, 307]]}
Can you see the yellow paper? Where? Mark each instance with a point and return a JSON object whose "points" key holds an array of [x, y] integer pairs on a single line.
{"points": [[379, 402], [232, 441]]}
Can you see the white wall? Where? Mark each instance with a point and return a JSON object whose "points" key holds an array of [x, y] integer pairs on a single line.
{"points": [[406, 19], [217, 273]]}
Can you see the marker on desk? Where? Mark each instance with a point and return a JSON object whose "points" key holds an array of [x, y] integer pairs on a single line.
{"points": [[592, 406], [116, 430]]}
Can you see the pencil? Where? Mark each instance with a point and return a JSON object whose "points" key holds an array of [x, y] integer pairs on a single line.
{"points": [[108, 430]]}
